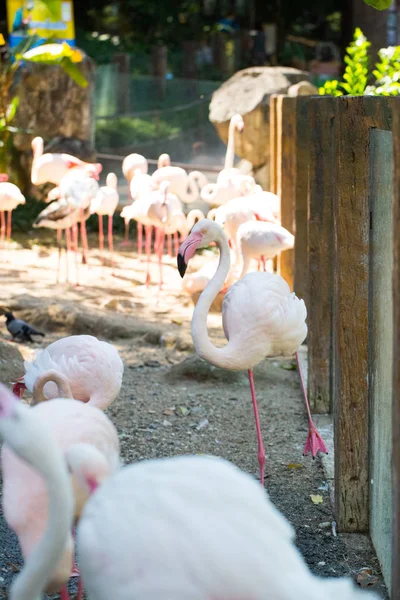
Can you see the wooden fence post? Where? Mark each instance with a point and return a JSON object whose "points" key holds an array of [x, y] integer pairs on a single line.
{"points": [[286, 174], [273, 142], [354, 117], [396, 356], [301, 199], [320, 243]]}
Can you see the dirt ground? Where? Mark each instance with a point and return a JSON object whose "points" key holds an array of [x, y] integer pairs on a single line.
{"points": [[171, 402]]}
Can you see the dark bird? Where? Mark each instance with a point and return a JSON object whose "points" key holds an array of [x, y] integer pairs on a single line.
{"points": [[20, 329]]}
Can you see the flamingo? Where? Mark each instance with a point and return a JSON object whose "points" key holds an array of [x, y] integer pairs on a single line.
{"points": [[24, 495], [131, 163], [206, 528], [256, 238], [31, 443], [140, 184], [10, 197], [51, 168], [261, 318], [105, 203], [93, 369], [230, 181], [186, 186]]}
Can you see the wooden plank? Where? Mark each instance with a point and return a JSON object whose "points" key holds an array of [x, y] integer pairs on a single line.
{"points": [[286, 174], [353, 119], [301, 198], [396, 357], [320, 244], [273, 141], [381, 346], [273, 132]]}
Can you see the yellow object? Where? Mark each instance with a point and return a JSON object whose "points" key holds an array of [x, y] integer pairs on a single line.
{"points": [[2, 42], [317, 499], [45, 18]]}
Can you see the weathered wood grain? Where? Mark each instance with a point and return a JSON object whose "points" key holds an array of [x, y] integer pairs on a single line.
{"points": [[286, 175], [320, 251], [396, 357], [353, 119]]}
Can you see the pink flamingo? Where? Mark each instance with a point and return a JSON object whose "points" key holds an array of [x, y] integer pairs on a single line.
{"points": [[93, 369], [105, 203], [24, 494], [31, 447], [186, 186], [10, 197], [218, 536], [51, 168], [261, 318], [255, 239], [141, 184], [132, 165]]}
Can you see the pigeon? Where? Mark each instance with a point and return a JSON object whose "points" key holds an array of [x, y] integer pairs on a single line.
{"points": [[20, 329]]}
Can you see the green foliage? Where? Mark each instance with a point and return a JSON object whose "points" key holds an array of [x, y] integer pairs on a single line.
{"points": [[126, 131], [356, 76], [379, 4]]}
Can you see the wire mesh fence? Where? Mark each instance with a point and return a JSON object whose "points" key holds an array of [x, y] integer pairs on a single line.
{"points": [[153, 115]]}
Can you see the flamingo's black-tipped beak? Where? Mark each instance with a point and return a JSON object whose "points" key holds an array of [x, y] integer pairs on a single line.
{"points": [[187, 249], [182, 266]]}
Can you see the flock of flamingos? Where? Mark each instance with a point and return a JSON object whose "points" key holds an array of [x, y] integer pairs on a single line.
{"points": [[181, 528]]}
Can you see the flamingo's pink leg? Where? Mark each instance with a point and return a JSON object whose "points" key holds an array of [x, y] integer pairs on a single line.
{"points": [[101, 234], [160, 250], [169, 244], [85, 245], [68, 243], [76, 246], [126, 236], [263, 262], [64, 595], [3, 225], [110, 240], [139, 238], [176, 243], [9, 225], [261, 450], [59, 236], [258, 264], [149, 231], [314, 442]]}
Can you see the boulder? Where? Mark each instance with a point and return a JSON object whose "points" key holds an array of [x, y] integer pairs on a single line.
{"points": [[248, 92]]}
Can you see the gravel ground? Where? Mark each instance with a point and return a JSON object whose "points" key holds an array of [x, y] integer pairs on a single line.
{"points": [[172, 403]]}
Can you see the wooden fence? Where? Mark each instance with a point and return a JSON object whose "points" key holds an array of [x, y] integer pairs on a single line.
{"points": [[336, 166]]}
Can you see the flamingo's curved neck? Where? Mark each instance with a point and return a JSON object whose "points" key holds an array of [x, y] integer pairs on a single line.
{"points": [[230, 149], [221, 357], [64, 390], [31, 582], [193, 216]]}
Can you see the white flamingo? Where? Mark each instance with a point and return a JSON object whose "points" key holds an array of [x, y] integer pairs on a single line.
{"points": [[230, 181], [131, 163], [24, 494], [29, 439], [105, 203], [206, 527], [10, 197], [141, 184], [255, 239], [93, 369], [52, 167], [261, 318]]}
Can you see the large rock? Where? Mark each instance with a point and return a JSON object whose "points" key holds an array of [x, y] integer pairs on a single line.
{"points": [[248, 92]]}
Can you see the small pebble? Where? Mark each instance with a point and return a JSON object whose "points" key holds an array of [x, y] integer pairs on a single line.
{"points": [[167, 423], [203, 423]]}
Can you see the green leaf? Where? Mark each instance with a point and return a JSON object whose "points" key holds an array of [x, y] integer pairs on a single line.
{"points": [[74, 72], [379, 4], [12, 109]]}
